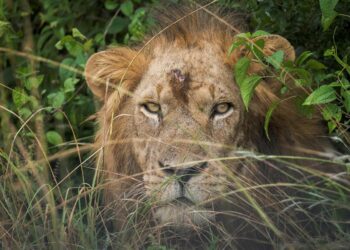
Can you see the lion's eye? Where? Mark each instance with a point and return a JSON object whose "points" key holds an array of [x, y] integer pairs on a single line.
{"points": [[152, 107], [222, 109]]}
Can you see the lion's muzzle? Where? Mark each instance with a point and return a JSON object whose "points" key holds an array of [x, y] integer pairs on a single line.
{"points": [[183, 174]]}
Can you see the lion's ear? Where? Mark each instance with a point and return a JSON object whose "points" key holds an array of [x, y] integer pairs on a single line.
{"points": [[272, 43], [118, 67]]}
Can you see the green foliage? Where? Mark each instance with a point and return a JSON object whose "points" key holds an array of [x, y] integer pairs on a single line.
{"points": [[325, 84], [45, 90], [67, 33], [328, 12], [54, 138], [247, 88], [276, 59], [245, 83], [300, 21], [241, 69], [321, 95], [268, 118]]}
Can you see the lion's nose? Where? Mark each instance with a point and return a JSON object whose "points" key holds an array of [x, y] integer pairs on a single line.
{"points": [[184, 174]]}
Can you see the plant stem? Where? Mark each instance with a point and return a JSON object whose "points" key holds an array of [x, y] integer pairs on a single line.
{"points": [[28, 46]]}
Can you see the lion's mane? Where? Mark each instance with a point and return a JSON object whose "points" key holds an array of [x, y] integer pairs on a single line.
{"points": [[290, 132]]}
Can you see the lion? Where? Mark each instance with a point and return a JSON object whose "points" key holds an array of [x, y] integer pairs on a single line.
{"points": [[175, 136]]}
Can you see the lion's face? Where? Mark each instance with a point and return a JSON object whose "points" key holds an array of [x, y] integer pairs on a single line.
{"points": [[187, 113], [173, 128], [182, 111]]}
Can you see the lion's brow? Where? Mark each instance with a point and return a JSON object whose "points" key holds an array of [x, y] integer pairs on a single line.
{"points": [[179, 83]]}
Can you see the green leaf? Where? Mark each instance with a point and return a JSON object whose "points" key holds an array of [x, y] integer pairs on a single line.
{"points": [[332, 111], [246, 83], [302, 76], [276, 59], [88, 45], [268, 118], [23, 72], [333, 114], [257, 49], [58, 116], [244, 35], [81, 60], [235, 44], [241, 69], [59, 45], [111, 5], [137, 28], [328, 12], [54, 138], [64, 72], [335, 84], [69, 84], [118, 25], [331, 126], [19, 97], [342, 62], [33, 82], [306, 111], [4, 27], [56, 100], [303, 57], [247, 88], [77, 34], [260, 33], [127, 8], [24, 113], [284, 90], [329, 52], [74, 48], [346, 96], [315, 65], [323, 94]]}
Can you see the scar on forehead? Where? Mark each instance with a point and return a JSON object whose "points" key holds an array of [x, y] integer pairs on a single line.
{"points": [[179, 83], [159, 89]]}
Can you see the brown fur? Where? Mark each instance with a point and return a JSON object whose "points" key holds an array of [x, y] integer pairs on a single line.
{"points": [[123, 69]]}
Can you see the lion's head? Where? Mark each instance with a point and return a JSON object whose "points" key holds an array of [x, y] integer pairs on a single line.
{"points": [[173, 121]]}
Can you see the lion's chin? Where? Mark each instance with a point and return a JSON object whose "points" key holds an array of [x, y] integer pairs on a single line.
{"points": [[183, 217]]}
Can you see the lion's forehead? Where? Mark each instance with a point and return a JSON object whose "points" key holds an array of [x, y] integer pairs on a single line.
{"points": [[206, 75], [204, 66]]}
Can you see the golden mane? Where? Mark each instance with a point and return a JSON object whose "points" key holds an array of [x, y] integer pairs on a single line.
{"points": [[183, 27], [114, 74]]}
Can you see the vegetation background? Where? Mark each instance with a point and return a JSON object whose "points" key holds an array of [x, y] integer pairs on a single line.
{"points": [[47, 180]]}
